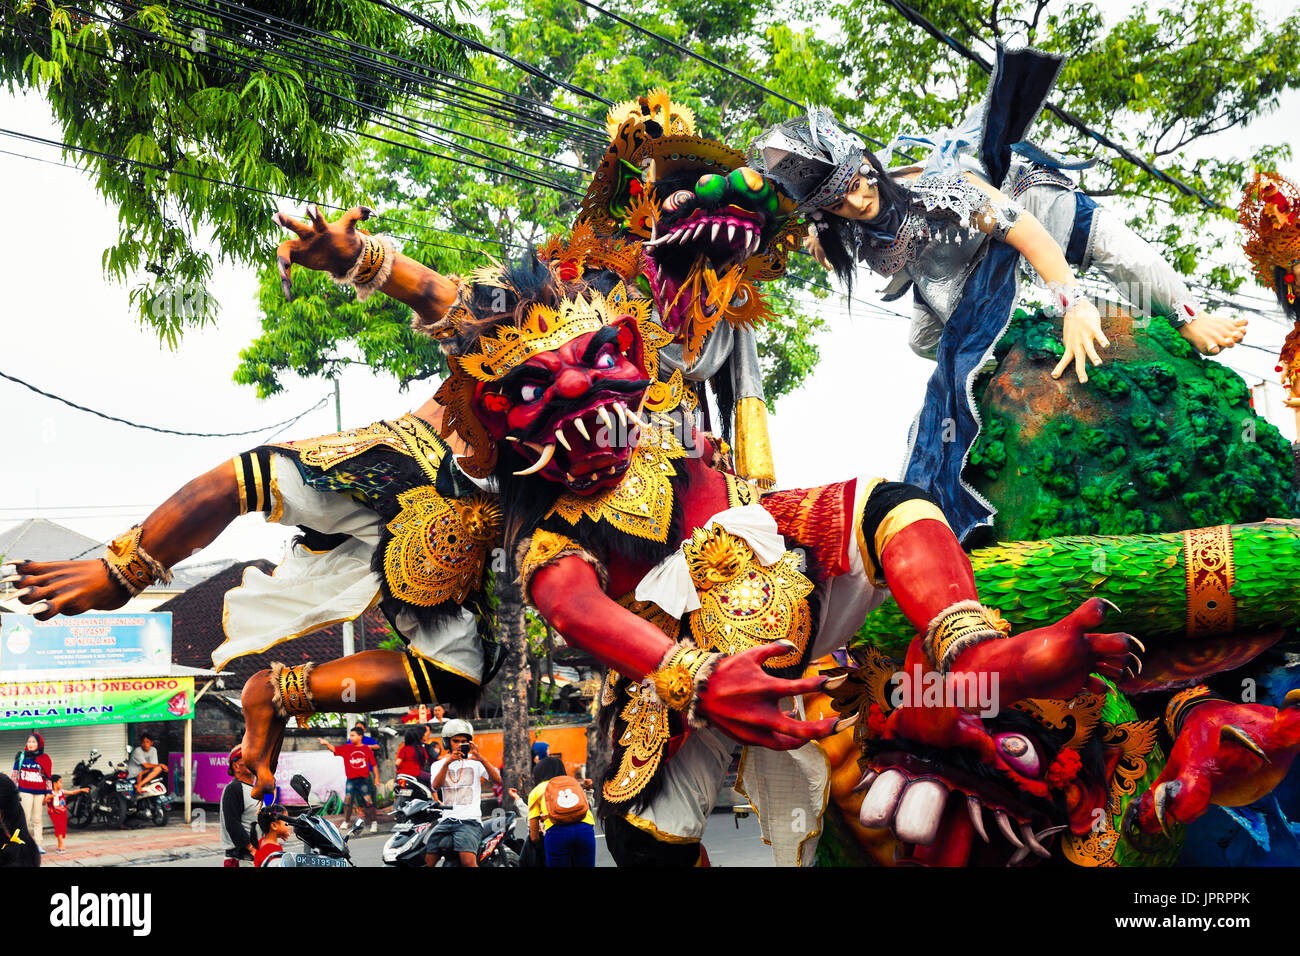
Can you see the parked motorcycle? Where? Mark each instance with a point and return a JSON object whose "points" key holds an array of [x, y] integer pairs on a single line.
{"points": [[323, 843], [98, 802]]}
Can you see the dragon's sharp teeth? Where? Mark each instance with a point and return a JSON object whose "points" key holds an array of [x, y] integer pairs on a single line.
{"points": [[604, 417], [1004, 825], [1031, 841], [976, 811], [621, 411], [569, 478], [582, 429], [559, 436], [714, 236], [541, 462], [731, 231]]}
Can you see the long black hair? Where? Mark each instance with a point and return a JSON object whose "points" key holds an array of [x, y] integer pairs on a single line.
{"points": [[840, 237]]}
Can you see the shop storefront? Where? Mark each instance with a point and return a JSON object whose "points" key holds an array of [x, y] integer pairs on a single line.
{"points": [[80, 681]]}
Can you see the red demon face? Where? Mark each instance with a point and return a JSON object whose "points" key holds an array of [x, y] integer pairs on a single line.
{"points": [[569, 415]]}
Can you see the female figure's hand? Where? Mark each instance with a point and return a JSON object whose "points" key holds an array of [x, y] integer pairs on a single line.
{"points": [[1082, 334]]}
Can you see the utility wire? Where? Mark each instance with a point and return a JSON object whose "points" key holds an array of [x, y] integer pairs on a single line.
{"points": [[913, 16], [165, 431], [718, 66]]}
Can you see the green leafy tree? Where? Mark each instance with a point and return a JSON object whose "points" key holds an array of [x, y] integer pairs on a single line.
{"points": [[187, 115], [451, 214]]}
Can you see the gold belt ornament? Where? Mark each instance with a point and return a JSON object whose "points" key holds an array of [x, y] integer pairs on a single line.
{"points": [[1207, 557]]}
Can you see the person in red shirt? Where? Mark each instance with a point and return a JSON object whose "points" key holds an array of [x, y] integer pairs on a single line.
{"points": [[56, 802], [270, 849], [363, 776], [410, 756], [32, 769]]}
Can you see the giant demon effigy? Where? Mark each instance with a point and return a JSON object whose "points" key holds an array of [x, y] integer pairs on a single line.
{"points": [[603, 422]]}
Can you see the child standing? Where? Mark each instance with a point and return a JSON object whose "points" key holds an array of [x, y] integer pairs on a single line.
{"points": [[56, 802]]}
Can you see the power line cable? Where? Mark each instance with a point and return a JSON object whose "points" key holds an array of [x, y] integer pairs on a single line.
{"points": [[913, 16], [165, 431]]}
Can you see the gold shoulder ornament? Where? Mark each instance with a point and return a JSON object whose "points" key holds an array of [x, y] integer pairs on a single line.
{"points": [[439, 546]]}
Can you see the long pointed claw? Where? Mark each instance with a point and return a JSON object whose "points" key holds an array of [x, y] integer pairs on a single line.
{"points": [[1018, 856], [1031, 841], [11, 578], [40, 607], [1112, 604], [1138, 661], [1141, 647], [604, 417], [867, 779], [835, 683], [844, 723], [541, 463], [1050, 831], [559, 436], [1004, 825], [582, 429], [976, 811], [1245, 739]]}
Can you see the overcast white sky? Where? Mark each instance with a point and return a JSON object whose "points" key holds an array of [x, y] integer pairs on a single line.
{"points": [[69, 331]]}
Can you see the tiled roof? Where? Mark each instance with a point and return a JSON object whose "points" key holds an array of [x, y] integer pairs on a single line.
{"points": [[197, 631], [37, 539]]}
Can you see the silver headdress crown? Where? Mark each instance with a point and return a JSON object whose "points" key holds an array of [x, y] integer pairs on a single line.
{"points": [[813, 159]]}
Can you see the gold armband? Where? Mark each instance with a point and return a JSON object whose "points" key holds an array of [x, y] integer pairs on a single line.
{"points": [[373, 266], [131, 565], [291, 690], [958, 627], [680, 677]]}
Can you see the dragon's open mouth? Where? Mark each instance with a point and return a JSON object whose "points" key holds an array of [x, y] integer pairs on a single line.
{"points": [[943, 817]]}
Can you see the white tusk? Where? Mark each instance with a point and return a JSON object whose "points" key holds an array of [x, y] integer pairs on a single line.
{"points": [[1005, 826], [582, 429], [622, 413], [569, 478], [559, 436], [541, 463], [604, 417], [731, 231], [716, 227], [976, 811], [1032, 842]]}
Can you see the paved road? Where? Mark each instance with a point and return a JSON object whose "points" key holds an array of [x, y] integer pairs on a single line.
{"points": [[727, 844]]}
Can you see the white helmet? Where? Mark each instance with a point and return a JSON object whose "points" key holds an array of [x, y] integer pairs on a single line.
{"points": [[455, 727]]}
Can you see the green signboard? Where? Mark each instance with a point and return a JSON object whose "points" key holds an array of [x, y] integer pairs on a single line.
{"points": [[112, 700]]}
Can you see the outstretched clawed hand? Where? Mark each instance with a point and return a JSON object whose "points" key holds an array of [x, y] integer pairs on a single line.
{"points": [[742, 700], [64, 587], [331, 247]]}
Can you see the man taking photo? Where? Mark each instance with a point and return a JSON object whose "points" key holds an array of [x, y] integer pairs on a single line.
{"points": [[460, 775]]}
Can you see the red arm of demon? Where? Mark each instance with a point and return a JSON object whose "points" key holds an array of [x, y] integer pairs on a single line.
{"points": [[739, 698]]}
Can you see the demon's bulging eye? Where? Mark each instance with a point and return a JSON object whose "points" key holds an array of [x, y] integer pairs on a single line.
{"points": [[605, 360], [1020, 754], [530, 392]]}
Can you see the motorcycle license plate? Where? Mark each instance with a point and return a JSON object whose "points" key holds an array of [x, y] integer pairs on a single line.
{"points": [[307, 859]]}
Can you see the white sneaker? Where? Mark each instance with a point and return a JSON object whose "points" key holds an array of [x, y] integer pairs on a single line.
{"points": [[374, 827]]}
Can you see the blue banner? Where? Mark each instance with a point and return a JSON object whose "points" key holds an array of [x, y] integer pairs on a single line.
{"points": [[86, 645]]}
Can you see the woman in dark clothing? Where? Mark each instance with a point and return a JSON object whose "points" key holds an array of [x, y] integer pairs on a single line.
{"points": [[17, 847]]}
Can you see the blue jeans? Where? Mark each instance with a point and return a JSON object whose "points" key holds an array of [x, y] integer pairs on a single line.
{"points": [[571, 844]]}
